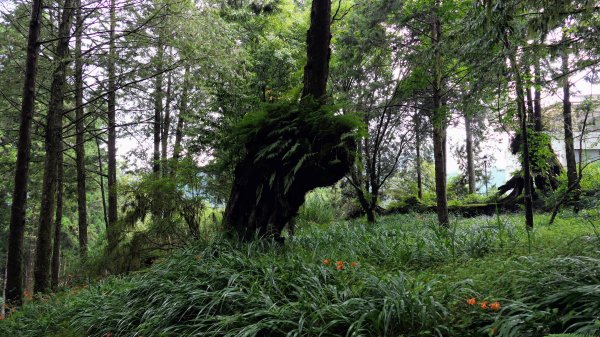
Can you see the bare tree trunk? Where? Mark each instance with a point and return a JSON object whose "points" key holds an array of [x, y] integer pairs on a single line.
{"points": [[111, 231], [568, 128], [80, 139], [530, 108], [181, 119], [439, 125], [13, 289], [166, 125], [526, 166], [418, 154], [158, 108], [316, 70], [102, 193], [469, 148], [53, 141], [55, 268], [537, 98]]}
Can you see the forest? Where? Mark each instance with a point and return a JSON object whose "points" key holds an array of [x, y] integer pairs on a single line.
{"points": [[299, 168]]}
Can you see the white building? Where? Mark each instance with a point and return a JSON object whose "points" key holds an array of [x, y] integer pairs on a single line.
{"points": [[585, 112]]}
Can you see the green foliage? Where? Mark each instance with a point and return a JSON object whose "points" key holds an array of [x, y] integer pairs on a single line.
{"points": [[404, 183], [541, 156], [291, 135], [591, 178], [411, 278], [321, 206]]}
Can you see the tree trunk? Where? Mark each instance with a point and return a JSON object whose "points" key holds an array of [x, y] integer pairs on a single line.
{"points": [[166, 125], [318, 37], [80, 139], [418, 155], [13, 290], [568, 128], [101, 183], [111, 231], [520, 100], [267, 192], [372, 211], [55, 268], [53, 145], [439, 125], [469, 148], [158, 108], [181, 118], [530, 108], [537, 99]]}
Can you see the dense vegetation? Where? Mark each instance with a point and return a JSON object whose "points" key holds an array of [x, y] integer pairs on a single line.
{"points": [[404, 276], [299, 168]]}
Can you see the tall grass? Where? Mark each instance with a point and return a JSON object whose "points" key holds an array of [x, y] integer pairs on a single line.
{"points": [[402, 277]]}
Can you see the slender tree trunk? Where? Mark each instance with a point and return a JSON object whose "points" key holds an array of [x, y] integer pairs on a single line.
{"points": [[53, 140], [568, 128], [372, 211], [526, 166], [166, 125], [537, 99], [13, 289], [439, 125], [182, 113], [111, 231], [55, 268], [530, 108], [418, 154], [102, 192], [158, 108], [469, 147], [80, 139], [316, 70]]}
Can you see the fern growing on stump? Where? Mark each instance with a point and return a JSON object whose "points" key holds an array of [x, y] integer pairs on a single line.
{"points": [[291, 148]]}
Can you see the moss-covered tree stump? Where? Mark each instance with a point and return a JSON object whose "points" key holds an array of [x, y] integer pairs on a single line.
{"points": [[289, 149]]}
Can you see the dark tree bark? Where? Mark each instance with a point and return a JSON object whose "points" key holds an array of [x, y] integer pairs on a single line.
{"points": [[53, 144], [166, 125], [530, 109], [181, 118], [418, 159], [267, 192], [158, 108], [537, 99], [80, 138], [521, 108], [13, 290], [111, 231], [101, 183], [318, 37], [439, 124], [469, 149], [55, 268], [568, 129]]}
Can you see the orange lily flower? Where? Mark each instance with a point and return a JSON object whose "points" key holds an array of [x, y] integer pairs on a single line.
{"points": [[495, 306]]}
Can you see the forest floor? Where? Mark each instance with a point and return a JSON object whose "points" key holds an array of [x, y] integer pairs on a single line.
{"points": [[404, 276]]}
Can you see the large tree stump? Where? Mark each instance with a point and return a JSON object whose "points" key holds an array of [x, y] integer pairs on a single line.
{"points": [[290, 149]]}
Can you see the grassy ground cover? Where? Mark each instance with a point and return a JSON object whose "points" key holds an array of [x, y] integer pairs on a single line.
{"points": [[404, 276]]}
